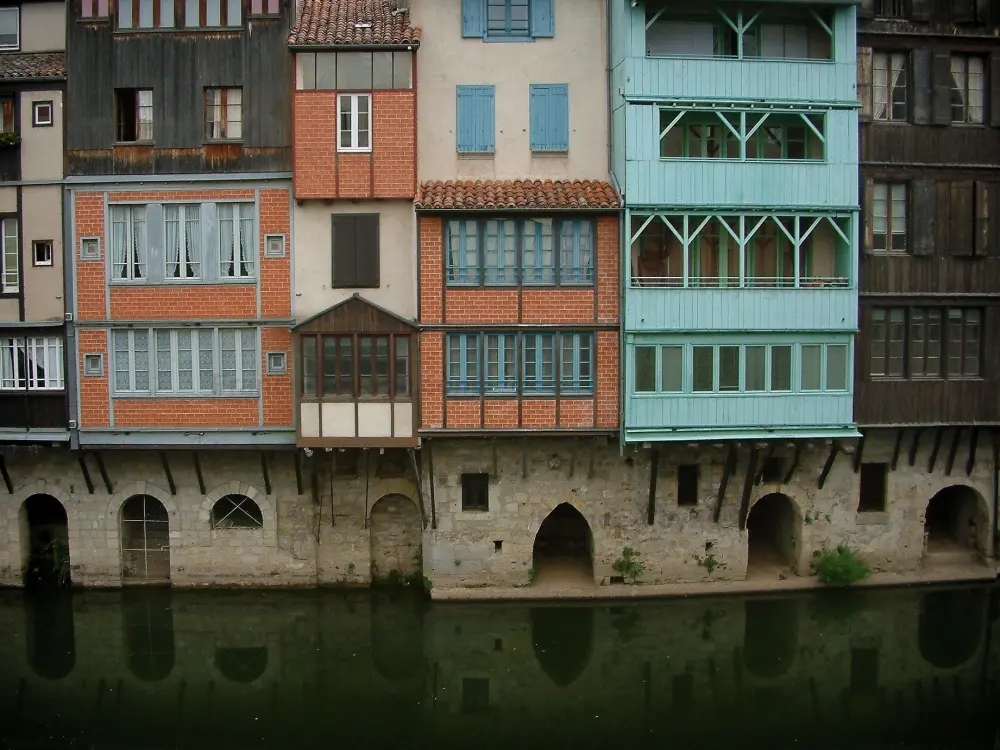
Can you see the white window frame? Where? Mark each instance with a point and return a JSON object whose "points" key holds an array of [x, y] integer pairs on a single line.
{"points": [[37, 121], [44, 350], [10, 259], [35, 244], [201, 339], [132, 218], [347, 138], [187, 213], [17, 15], [245, 267]]}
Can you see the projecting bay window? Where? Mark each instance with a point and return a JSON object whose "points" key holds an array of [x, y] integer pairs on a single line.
{"points": [[742, 135], [33, 363], [223, 114], [356, 367], [925, 343]]}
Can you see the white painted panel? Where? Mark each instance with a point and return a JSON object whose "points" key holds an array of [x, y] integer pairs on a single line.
{"points": [[374, 420], [309, 420], [338, 420], [403, 420]]}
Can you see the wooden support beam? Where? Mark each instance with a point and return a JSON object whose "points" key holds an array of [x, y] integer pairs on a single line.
{"points": [[265, 470], [796, 457], [771, 448], [420, 488], [970, 464], [197, 471], [297, 460], [938, 434], [654, 466], [915, 445], [747, 487], [896, 447], [104, 473], [950, 461], [6, 477], [315, 482], [85, 470], [727, 471], [166, 470], [429, 447], [831, 457], [859, 451]]}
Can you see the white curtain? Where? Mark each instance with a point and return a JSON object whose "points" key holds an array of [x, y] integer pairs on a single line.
{"points": [[172, 219], [246, 239], [192, 240], [11, 375], [679, 38], [119, 232], [888, 70], [226, 240]]}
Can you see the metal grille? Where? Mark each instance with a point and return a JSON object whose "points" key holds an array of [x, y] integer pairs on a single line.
{"points": [[145, 539]]}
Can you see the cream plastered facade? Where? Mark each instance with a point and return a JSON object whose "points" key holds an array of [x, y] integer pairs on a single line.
{"points": [[41, 219], [314, 291], [43, 27], [41, 147], [576, 56]]}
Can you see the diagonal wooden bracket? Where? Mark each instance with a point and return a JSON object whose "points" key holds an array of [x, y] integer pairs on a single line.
{"points": [[727, 472]]}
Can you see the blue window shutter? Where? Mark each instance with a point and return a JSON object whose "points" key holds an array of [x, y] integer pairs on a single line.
{"points": [[475, 118], [543, 18], [549, 114], [473, 18]]}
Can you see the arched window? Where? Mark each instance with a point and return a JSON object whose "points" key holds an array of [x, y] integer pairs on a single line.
{"points": [[236, 512]]}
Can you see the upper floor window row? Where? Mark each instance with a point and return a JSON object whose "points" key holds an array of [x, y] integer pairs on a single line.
{"points": [[32, 363], [538, 251], [926, 342], [508, 20], [791, 136], [134, 114], [773, 32], [355, 71], [953, 11], [355, 366]]}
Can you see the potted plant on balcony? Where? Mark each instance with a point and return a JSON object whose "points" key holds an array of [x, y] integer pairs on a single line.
{"points": [[9, 140]]}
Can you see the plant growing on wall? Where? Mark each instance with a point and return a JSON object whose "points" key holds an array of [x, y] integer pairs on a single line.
{"points": [[9, 140], [842, 566], [629, 566]]}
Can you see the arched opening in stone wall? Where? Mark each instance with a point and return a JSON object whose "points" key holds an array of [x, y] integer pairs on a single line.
{"points": [[396, 531], [51, 634], [145, 540], [773, 536], [770, 636], [956, 524], [951, 625], [149, 633], [563, 552], [44, 542], [562, 638], [242, 665]]}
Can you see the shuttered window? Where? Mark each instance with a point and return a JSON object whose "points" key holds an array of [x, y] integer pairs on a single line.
{"points": [[355, 250], [549, 107], [475, 126], [926, 342], [508, 19]]}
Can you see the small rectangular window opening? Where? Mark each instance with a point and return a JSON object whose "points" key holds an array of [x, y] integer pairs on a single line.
{"points": [[41, 252], [475, 491], [687, 484], [874, 480]]}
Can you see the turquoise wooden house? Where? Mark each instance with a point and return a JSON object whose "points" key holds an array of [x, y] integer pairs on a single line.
{"points": [[735, 145]]}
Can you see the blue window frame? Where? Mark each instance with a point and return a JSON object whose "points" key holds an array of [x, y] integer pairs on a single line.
{"points": [[463, 364], [576, 249], [500, 252], [576, 366], [463, 252], [538, 258], [549, 115], [501, 363], [539, 375], [475, 119], [508, 20]]}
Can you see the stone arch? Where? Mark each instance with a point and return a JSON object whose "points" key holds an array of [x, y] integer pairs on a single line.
{"points": [[132, 489], [144, 523], [241, 664], [564, 547], [770, 636], [562, 639], [43, 524], [396, 536], [774, 534], [951, 625], [269, 527], [957, 517]]}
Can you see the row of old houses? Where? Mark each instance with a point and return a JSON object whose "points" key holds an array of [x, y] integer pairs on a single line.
{"points": [[309, 292]]}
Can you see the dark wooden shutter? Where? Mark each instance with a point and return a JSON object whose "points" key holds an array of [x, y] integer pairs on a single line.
{"points": [[981, 243], [868, 226], [962, 217], [920, 10], [944, 216], [866, 9], [923, 86], [994, 93], [865, 83], [367, 250], [344, 265], [923, 223], [942, 88]]}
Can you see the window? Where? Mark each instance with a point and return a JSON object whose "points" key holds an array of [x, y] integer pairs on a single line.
{"points": [[687, 484], [354, 366], [967, 89], [475, 128], [645, 369], [223, 114], [274, 246], [890, 8], [7, 124], [41, 252], [212, 13], [93, 365], [133, 115], [146, 14], [704, 368], [475, 491], [10, 278], [202, 361], [463, 364], [874, 479], [930, 342], [182, 240], [508, 20], [128, 243], [90, 248], [32, 363], [355, 250], [94, 9], [236, 512], [501, 363], [889, 233], [576, 365], [237, 246], [264, 7], [355, 70], [276, 363], [547, 251], [41, 114], [890, 84], [354, 116], [10, 28], [539, 363], [549, 114]]}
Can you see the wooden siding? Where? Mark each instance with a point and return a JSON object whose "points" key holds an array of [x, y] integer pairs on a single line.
{"points": [[945, 17]]}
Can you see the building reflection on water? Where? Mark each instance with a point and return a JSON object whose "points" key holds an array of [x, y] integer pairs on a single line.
{"points": [[156, 669]]}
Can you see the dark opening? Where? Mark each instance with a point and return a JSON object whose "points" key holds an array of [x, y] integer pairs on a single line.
{"points": [[564, 546], [346, 463], [242, 665], [475, 492], [955, 520], [236, 512], [951, 625], [874, 479], [562, 638], [864, 670], [475, 695], [392, 463], [51, 640], [48, 543], [773, 470], [498, 546], [687, 484], [145, 540], [149, 634], [770, 636], [773, 533], [127, 111], [683, 691]]}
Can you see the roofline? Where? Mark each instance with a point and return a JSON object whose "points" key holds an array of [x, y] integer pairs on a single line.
{"points": [[306, 47], [357, 295], [40, 79], [522, 209]]}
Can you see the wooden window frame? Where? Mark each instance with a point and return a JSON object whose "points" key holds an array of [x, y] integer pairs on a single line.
{"points": [[508, 32], [137, 107], [224, 106], [891, 56], [890, 248], [944, 342], [357, 266], [966, 59], [353, 378]]}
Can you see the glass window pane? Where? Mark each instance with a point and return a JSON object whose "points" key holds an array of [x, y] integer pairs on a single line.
{"points": [[781, 368], [729, 368], [401, 70], [836, 368], [382, 70], [354, 70], [645, 369], [345, 384], [365, 366], [402, 366], [704, 368], [308, 366], [812, 355], [326, 70], [672, 369], [382, 365], [756, 368], [330, 366]]}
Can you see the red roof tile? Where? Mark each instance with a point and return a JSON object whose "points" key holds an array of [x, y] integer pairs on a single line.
{"points": [[517, 195], [352, 23], [32, 65]]}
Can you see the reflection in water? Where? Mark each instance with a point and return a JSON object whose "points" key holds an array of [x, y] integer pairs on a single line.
{"points": [[304, 670], [561, 637]]}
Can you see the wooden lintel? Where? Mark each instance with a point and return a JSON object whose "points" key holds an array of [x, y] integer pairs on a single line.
{"points": [[654, 467], [166, 470], [197, 471], [266, 471], [915, 445], [524, 459], [748, 487], [970, 464], [85, 470], [859, 452], [830, 458], [297, 460], [896, 448], [419, 484], [6, 477], [771, 448], [796, 457], [938, 435], [952, 451], [727, 471], [104, 473]]}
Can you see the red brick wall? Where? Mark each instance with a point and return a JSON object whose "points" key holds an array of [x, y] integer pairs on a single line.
{"points": [[174, 301], [90, 275], [607, 371], [387, 171], [432, 379], [277, 389], [275, 273], [608, 270], [431, 269], [94, 407], [186, 412]]}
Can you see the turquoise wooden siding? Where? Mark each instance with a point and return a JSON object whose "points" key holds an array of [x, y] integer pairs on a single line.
{"points": [[549, 114], [475, 114]]}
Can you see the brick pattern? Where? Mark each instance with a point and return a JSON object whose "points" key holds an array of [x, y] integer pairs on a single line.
{"points": [[315, 127], [479, 306], [88, 212], [431, 260], [215, 301], [94, 407], [275, 273], [186, 412], [499, 413], [576, 412], [277, 389], [607, 371], [394, 144], [462, 413], [353, 176], [432, 379], [539, 413], [558, 305], [608, 270]]}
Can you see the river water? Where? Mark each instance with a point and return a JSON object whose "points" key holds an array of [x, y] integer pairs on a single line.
{"points": [[145, 669]]}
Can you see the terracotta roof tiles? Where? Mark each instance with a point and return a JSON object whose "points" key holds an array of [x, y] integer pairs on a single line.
{"points": [[352, 23], [32, 65], [517, 195]]}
